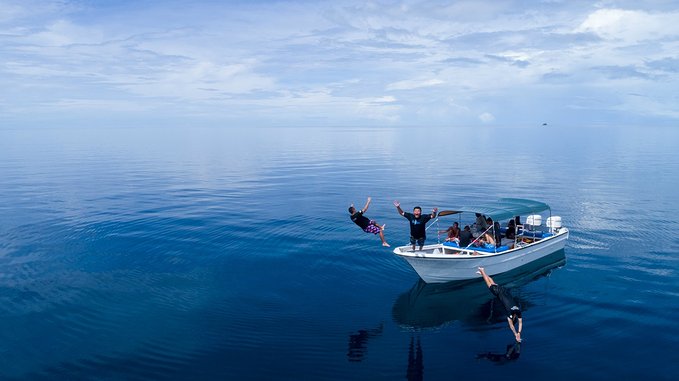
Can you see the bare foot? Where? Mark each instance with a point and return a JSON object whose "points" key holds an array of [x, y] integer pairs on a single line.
{"points": [[384, 226], [480, 272], [385, 244]]}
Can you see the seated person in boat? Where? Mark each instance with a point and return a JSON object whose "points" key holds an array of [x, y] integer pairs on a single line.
{"points": [[497, 234], [466, 236], [511, 229], [453, 233], [486, 240], [480, 225]]}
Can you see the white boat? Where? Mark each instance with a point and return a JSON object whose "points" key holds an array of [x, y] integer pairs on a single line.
{"points": [[447, 261]]}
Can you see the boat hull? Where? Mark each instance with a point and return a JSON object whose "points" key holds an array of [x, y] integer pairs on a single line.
{"points": [[433, 265]]}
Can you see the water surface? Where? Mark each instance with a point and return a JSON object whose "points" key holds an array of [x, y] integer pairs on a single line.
{"points": [[139, 253]]}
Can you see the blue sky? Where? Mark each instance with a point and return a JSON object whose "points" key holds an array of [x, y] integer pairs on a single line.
{"points": [[339, 63]]}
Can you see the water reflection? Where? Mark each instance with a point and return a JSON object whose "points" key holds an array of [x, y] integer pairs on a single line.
{"points": [[433, 305], [358, 342], [358, 347], [512, 352], [415, 370]]}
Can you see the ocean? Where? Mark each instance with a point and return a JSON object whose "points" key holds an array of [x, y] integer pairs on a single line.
{"points": [[228, 253]]}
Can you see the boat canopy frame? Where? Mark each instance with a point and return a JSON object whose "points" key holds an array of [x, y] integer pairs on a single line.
{"points": [[502, 209]]}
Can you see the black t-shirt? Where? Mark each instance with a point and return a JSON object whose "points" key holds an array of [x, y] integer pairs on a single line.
{"points": [[498, 234], [507, 300], [465, 238], [360, 220], [418, 225]]}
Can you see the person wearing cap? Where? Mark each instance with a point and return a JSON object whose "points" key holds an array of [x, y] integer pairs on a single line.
{"points": [[508, 301], [368, 225], [418, 221]]}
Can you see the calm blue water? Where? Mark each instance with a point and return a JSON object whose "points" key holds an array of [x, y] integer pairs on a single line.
{"points": [[229, 254]]}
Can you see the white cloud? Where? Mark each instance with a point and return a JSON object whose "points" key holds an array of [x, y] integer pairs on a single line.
{"points": [[631, 25], [486, 117], [297, 60], [64, 32], [197, 80], [411, 84]]}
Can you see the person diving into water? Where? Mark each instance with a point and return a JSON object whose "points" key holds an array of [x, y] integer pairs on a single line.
{"points": [[368, 225], [508, 301]]}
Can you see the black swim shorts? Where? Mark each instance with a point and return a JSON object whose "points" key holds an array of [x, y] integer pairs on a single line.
{"points": [[419, 241]]}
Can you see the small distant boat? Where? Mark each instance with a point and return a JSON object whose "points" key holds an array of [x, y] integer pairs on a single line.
{"points": [[447, 261]]}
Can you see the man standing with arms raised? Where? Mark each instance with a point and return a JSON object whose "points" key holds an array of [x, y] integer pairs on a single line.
{"points": [[418, 222]]}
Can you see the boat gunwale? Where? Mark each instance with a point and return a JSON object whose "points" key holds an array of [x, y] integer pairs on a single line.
{"points": [[466, 253]]}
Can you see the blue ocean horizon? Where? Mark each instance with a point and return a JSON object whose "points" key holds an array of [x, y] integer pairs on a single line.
{"points": [[228, 253]]}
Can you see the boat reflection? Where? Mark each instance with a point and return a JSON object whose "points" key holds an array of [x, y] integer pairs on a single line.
{"points": [[433, 305]]}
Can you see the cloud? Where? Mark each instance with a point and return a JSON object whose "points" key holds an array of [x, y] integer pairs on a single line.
{"points": [[486, 117], [416, 83], [667, 64], [630, 25], [349, 62], [621, 72], [64, 32], [197, 80]]}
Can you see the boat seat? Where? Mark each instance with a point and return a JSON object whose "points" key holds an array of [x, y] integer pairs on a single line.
{"points": [[485, 250], [535, 234], [504, 230], [479, 248]]}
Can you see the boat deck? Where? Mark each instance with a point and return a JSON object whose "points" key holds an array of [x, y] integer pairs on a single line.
{"points": [[447, 249]]}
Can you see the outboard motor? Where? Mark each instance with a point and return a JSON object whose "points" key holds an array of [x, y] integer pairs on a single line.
{"points": [[554, 224], [533, 221]]}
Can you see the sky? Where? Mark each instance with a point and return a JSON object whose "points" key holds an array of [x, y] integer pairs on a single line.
{"points": [[338, 63]]}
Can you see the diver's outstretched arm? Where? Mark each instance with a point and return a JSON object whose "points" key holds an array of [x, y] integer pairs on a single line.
{"points": [[489, 281]]}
